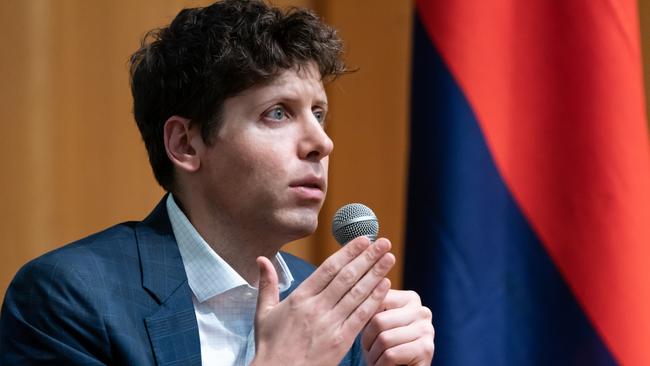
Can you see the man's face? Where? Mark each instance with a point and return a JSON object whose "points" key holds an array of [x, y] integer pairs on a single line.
{"points": [[266, 169]]}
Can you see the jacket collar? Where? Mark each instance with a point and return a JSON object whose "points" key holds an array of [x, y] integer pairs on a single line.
{"points": [[162, 265], [173, 329]]}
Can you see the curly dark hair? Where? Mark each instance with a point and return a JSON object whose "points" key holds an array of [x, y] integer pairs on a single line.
{"points": [[209, 54]]}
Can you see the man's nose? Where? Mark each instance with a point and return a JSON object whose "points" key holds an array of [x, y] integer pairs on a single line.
{"points": [[315, 144]]}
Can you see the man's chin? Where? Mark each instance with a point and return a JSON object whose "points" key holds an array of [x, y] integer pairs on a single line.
{"points": [[303, 230], [300, 227]]}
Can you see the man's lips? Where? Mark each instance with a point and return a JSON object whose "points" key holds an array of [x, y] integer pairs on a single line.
{"points": [[309, 182], [310, 188]]}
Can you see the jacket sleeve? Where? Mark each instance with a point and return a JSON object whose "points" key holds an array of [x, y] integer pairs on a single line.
{"points": [[50, 317], [356, 353]]}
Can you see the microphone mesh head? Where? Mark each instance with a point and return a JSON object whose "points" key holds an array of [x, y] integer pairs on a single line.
{"points": [[354, 220]]}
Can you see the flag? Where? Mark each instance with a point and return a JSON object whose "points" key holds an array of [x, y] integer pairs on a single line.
{"points": [[528, 221]]}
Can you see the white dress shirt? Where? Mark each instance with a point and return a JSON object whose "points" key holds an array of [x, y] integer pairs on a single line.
{"points": [[224, 302]]}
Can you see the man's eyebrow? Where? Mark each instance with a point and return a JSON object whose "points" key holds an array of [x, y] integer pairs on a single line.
{"points": [[289, 99], [321, 101]]}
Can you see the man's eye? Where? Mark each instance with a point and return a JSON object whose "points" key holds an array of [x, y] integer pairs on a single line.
{"points": [[320, 116], [276, 113]]}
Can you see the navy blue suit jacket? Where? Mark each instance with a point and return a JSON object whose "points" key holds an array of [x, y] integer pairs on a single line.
{"points": [[117, 297]]}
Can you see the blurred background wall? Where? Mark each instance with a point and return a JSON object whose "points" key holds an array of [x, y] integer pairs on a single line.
{"points": [[73, 160]]}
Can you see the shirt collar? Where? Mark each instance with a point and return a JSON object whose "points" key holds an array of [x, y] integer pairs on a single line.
{"points": [[208, 274]]}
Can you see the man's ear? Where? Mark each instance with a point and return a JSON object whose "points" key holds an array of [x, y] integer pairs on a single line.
{"points": [[182, 143]]}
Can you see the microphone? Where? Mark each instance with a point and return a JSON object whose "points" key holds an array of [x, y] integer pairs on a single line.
{"points": [[354, 220]]}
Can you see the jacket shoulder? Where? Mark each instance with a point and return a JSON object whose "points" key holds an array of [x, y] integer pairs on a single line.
{"points": [[89, 251], [300, 269], [57, 305]]}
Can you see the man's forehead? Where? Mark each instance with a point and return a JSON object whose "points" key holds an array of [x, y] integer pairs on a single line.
{"points": [[296, 82]]}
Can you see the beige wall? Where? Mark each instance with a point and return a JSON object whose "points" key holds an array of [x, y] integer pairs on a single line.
{"points": [[74, 163]]}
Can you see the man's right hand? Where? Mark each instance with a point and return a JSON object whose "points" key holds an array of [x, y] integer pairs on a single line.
{"points": [[318, 322]]}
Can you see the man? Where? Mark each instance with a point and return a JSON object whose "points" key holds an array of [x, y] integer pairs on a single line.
{"points": [[230, 103]]}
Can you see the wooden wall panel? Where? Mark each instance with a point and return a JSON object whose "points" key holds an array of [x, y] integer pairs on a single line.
{"points": [[76, 161], [369, 120]]}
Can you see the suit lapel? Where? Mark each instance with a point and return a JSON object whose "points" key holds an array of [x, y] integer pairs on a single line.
{"points": [[172, 329], [174, 333]]}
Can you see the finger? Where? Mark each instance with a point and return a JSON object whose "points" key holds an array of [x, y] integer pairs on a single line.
{"points": [[402, 298], [362, 289], [269, 294], [358, 319], [326, 272], [418, 353], [390, 319], [349, 275], [394, 337]]}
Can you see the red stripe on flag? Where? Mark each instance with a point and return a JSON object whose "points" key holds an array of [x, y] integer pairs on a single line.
{"points": [[557, 89]]}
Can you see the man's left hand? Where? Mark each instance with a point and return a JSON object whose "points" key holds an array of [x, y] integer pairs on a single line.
{"points": [[402, 334]]}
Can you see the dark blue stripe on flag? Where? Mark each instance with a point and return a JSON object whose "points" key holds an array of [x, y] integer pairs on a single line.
{"points": [[496, 297]]}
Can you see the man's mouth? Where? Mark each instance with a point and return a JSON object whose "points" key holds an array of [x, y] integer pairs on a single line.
{"points": [[310, 182], [310, 188]]}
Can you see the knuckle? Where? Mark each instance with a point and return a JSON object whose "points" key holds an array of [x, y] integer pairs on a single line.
{"points": [[427, 347], [351, 253], [381, 267], [412, 295], [371, 327], [425, 313], [378, 271], [378, 294], [382, 341], [360, 243], [369, 256], [377, 321], [425, 328], [356, 293], [348, 276], [362, 314], [391, 355], [329, 269]]}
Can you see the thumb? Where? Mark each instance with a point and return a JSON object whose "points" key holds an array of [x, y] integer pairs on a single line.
{"points": [[268, 295]]}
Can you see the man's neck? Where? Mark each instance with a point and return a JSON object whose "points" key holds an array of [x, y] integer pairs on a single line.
{"points": [[239, 248], [239, 257]]}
